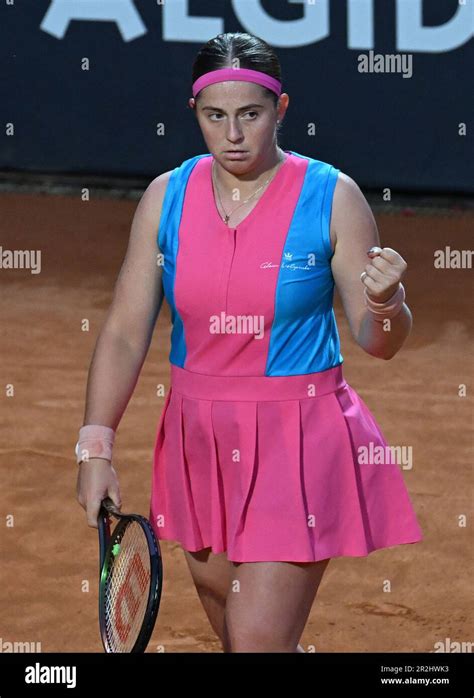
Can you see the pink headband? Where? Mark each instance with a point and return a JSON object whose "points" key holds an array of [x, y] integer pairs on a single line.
{"points": [[245, 74]]}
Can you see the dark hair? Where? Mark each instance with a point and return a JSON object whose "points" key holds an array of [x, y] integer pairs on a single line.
{"points": [[249, 50]]}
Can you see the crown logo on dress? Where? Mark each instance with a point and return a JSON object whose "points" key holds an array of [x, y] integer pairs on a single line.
{"points": [[288, 255]]}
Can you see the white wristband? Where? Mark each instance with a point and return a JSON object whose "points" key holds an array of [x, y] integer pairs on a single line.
{"points": [[95, 441], [390, 308]]}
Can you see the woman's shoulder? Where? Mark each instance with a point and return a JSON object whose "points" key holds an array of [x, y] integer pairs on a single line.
{"points": [[346, 185], [184, 168], [317, 170], [163, 178], [312, 158], [155, 191]]}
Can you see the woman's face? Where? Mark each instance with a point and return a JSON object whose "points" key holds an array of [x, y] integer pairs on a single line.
{"points": [[237, 115]]}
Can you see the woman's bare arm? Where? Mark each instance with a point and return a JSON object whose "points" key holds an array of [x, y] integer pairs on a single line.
{"points": [[122, 344], [126, 332], [354, 228]]}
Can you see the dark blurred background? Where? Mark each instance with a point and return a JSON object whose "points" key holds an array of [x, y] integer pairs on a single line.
{"points": [[101, 88]]}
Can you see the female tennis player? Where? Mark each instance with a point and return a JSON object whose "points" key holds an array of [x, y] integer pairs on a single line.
{"points": [[262, 463]]}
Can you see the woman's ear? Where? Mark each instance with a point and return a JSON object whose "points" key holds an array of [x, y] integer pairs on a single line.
{"points": [[192, 103]]}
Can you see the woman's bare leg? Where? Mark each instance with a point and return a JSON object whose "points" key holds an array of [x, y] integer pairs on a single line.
{"points": [[268, 605], [212, 574]]}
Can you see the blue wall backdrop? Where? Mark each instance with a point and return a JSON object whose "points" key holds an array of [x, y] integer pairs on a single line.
{"points": [[382, 89]]}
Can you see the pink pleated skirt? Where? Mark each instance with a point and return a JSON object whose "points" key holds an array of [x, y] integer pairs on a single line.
{"points": [[272, 468]]}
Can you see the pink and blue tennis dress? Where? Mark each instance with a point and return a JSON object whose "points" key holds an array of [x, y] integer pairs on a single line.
{"points": [[260, 446]]}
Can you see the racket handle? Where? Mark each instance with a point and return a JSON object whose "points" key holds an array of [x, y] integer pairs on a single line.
{"points": [[109, 505]]}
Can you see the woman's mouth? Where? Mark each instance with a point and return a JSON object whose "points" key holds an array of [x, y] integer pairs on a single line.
{"points": [[235, 154]]}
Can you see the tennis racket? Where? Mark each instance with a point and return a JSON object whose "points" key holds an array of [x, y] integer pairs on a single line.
{"points": [[130, 582]]}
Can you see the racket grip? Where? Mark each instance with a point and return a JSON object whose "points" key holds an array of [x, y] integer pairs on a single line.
{"points": [[109, 505]]}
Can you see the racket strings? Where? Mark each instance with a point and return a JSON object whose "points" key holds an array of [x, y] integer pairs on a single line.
{"points": [[127, 588]]}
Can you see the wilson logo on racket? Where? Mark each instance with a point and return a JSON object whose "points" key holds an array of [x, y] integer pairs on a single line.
{"points": [[134, 586]]}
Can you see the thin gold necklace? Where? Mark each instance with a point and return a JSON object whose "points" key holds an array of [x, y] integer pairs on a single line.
{"points": [[228, 215]]}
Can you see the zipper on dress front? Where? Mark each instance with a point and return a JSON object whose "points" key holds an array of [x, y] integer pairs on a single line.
{"points": [[234, 231]]}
